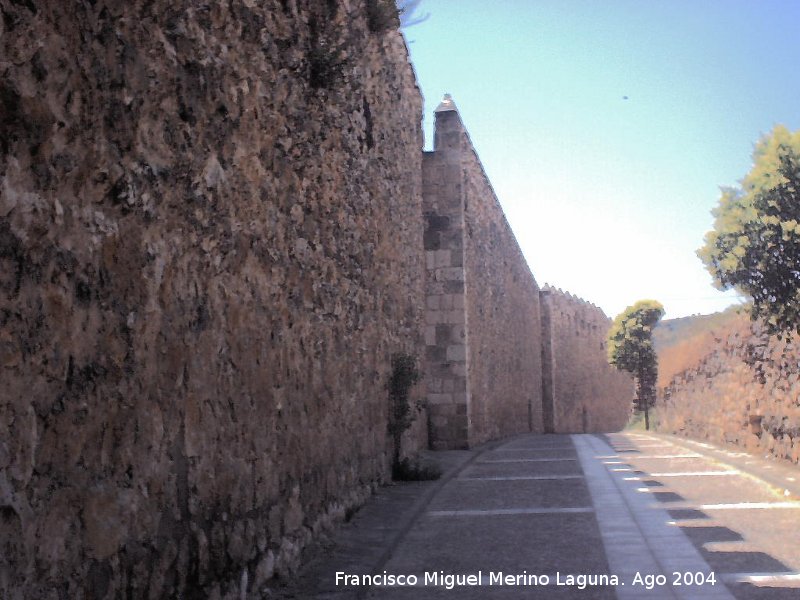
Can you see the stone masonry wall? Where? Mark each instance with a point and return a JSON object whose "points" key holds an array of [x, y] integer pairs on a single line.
{"points": [[212, 223], [445, 325], [502, 301], [483, 333], [582, 392], [210, 246], [745, 391]]}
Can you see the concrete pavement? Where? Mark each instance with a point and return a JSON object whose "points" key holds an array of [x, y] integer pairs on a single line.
{"points": [[628, 515]]}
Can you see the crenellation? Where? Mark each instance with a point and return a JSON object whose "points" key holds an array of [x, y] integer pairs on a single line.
{"points": [[582, 392]]}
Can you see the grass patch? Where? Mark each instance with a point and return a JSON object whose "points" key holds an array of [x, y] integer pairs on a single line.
{"points": [[637, 421]]}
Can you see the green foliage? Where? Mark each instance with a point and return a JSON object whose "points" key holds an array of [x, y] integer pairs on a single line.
{"points": [[415, 470], [382, 15], [386, 15], [326, 56], [755, 244], [630, 348], [326, 64], [401, 414], [631, 334], [404, 376], [637, 421]]}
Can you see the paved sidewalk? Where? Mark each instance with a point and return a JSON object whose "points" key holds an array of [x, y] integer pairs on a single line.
{"points": [[582, 516], [518, 520], [364, 543]]}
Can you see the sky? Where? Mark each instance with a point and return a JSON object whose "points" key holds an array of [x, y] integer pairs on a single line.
{"points": [[607, 127]]}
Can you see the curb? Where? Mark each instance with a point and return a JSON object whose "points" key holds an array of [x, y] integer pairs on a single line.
{"points": [[772, 472]]}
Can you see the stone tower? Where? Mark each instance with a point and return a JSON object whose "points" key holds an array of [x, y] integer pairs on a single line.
{"points": [[483, 362]]}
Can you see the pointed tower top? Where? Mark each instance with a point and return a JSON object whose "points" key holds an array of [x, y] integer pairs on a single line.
{"points": [[446, 104]]}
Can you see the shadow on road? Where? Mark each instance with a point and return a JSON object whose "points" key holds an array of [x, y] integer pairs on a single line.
{"points": [[730, 564]]}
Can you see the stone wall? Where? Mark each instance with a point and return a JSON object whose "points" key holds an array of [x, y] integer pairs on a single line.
{"points": [[502, 302], [582, 392], [210, 246], [445, 319], [483, 334], [744, 390], [213, 237]]}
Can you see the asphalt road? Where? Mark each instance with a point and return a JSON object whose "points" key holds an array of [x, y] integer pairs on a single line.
{"points": [[628, 515]]}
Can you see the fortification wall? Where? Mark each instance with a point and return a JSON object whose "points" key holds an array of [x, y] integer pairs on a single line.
{"points": [[582, 392], [744, 390], [502, 302], [483, 333], [445, 323], [210, 237]]}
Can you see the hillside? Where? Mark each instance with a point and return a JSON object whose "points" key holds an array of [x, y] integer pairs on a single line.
{"points": [[682, 343], [673, 331], [723, 379]]}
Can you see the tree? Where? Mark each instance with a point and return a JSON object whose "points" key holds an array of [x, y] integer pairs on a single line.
{"points": [[630, 348], [755, 244], [387, 15], [401, 414]]}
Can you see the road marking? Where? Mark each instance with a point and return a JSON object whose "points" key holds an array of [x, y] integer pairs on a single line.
{"points": [[749, 505], [537, 448], [516, 460], [635, 535], [655, 446], [521, 478], [730, 546], [509, 511], [760, 577], [695, 474], [670, 505], [547, 449], [651, 456]]}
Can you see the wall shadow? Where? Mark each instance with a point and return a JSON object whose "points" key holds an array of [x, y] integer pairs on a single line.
{"points": [[718, 545]]}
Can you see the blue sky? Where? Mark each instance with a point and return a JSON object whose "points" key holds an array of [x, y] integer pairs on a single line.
{"points": [[610, 197]]}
